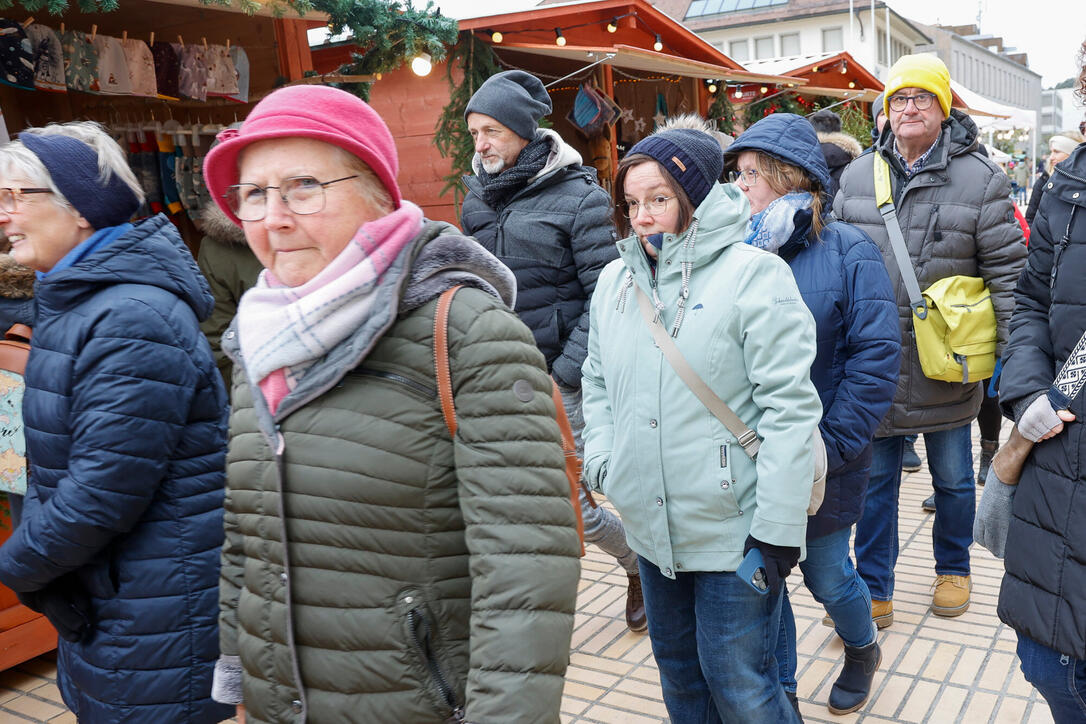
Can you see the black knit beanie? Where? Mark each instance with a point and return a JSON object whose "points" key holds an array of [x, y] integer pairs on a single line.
{"points": [[73, 168], [515, 99], [692, 157]]}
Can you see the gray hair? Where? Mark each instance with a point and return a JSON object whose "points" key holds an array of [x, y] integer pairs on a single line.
{"points": [[17, 158]]}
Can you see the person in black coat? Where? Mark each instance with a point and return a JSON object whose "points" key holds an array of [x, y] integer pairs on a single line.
{"points": [[1060, 147], [1040, 524], [844, 283]]}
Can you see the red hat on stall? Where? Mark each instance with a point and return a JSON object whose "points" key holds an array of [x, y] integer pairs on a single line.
{"points": [[318, 112]]}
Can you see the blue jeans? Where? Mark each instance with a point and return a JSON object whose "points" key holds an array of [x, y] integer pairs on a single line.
{"points": [[950, 460], [713, 638], [830, 577], [1061, 679]]}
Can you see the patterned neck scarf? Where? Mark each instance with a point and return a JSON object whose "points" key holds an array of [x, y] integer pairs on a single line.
{"points": [[771, 227], [497, 190]]}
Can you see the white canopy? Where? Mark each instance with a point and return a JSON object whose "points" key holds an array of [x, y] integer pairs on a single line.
{"points": [[1000, 117]]}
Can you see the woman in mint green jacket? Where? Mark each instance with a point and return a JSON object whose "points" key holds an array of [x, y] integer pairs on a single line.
{"points": [[694, 504]]}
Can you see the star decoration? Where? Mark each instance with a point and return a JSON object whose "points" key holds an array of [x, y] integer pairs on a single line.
{"points": [[626, 115], [639, 125], [659, 119]]}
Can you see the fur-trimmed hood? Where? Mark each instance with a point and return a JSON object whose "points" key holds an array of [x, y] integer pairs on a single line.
{"points": [[217, 225], [845, 142], [16, 280]]}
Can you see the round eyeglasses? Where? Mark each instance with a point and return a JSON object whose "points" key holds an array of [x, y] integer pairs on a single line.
{"points": [[654, 207], [10, 198], [922, 101], [748, 177], [303, 195]]}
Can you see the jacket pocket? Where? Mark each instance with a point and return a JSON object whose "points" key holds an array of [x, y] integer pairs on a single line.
{"points": [[99, 577], [419, 389], [422, 637], [728, 497]]}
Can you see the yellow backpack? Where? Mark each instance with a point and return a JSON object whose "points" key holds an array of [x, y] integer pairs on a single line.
{"points": [[953, 319]]}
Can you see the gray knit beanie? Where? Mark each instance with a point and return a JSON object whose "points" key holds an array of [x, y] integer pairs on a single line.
{"points": [[825, 121], [693, 158], [515, 99]]}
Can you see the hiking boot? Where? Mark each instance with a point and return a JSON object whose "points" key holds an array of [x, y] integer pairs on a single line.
{"points": [[929, 504], [636, 620], [882, 614], [910, 461], [951, 595], [988, 449], [853, 686]]}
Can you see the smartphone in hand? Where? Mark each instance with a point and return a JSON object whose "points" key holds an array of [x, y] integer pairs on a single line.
{"points": [[752, 572]]}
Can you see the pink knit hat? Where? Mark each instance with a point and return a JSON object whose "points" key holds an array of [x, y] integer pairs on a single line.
{"points": [[307, 111]]}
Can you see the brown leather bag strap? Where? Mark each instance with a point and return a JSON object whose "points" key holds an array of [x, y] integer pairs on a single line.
{"points": [[18, 333], [443, 375], [441, 358], [573, 463]]}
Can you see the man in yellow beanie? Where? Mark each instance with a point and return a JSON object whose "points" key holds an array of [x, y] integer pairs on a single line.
{"points": [[954, 210]]}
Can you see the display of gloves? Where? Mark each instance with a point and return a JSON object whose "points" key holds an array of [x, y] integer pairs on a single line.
{"points": [[994, 514], [779, 561]]}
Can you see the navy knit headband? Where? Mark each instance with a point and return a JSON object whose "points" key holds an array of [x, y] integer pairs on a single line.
{"points": [[73, 168]]}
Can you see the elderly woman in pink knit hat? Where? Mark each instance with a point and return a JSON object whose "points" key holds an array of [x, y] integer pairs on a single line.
{"points": [[377, 567]]}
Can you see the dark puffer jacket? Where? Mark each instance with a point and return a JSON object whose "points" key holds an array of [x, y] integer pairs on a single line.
{"points": [[556, 235], [957, 218], [126, 435], [1044, 590], [844, 284], [421, 575]]}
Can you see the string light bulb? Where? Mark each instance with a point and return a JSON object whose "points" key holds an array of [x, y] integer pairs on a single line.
{"points": [[559, 39], [764, 89], [852, 84], [844, 67], [659, 44], [422, 64], [496, 37], [613, 25], [738, 91], [712, 87]]}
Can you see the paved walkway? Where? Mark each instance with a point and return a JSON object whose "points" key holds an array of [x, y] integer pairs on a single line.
{"points": [[934, 670]]}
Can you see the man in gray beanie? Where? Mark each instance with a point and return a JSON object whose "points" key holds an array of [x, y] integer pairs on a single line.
{"points": [[534, 205]]}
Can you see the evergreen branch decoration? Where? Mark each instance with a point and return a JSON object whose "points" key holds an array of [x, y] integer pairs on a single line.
{"points": [[722, 113], [477, 62], [784, 103]]}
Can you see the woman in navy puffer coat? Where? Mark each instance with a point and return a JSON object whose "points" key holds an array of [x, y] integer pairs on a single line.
{"points": [[779, 165], [125, 418]]}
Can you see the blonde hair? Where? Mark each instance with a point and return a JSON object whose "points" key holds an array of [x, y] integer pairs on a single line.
{"points": [[784, 177]]}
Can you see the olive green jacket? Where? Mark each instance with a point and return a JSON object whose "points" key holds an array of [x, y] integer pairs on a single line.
{"points": [[423, 577]]}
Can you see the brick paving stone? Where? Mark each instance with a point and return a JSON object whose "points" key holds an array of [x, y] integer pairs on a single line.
{"points": [[937, 671]]}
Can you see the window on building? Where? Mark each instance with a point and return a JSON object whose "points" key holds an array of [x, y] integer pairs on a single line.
{"points": [[739, 50], [881, 41], [763, 48], [833, 40], [789, 44]]}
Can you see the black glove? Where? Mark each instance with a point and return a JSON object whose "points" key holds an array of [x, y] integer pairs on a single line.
{"points": [[779, 561], [65, 604]]}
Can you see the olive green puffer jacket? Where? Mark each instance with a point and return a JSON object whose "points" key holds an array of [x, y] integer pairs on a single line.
{"points": [[425, 579]]}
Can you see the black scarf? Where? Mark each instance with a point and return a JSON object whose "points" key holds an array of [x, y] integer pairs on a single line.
{"points": [[497, 190]]}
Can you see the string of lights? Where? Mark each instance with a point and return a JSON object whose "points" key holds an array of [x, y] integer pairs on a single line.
{"points": [[497, 36]]}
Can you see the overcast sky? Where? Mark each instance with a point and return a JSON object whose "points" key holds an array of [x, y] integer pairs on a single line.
{"points": [[1051, 31]]}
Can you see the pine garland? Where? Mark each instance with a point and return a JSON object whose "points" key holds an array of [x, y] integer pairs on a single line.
{"points": [[477, 62], [722, 112], [784, 103]]}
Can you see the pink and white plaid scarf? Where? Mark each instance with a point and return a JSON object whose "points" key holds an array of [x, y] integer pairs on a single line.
{"points": [[289, 328]]}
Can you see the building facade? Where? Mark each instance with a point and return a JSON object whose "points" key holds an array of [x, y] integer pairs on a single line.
{"points": [[1061, 110]]}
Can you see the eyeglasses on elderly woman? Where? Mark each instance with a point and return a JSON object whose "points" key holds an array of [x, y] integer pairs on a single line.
{"points": [[303, 195], [10, 198]]}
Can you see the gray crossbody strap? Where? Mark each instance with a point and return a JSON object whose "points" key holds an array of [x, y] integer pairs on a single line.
{"points": [[746, 437], [904, 263]]}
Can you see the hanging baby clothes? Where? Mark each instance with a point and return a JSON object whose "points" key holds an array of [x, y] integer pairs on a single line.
{"points": [[80, 61], [167, 70], [141, 68], [241, 69], [112, 67], [193, 78], [48, 59], [145, 156], [166, 172], [222, 79], [16, 56]]}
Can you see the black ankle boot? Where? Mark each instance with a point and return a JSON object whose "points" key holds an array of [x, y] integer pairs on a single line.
{"points": [[853, 686], [988, 449], [793, 699]]}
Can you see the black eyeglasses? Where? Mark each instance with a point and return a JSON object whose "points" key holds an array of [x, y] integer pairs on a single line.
{"points": [[10, 198], [303, 195], [922, 101]]}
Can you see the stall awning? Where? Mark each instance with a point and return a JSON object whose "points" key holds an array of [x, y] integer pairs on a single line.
{"points": [[630, 58], [849, 94]]}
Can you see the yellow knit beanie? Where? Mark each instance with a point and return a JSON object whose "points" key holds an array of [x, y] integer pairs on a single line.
{"points": [[919, 71]]}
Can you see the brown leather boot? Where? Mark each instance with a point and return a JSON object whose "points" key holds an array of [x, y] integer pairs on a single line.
{"points": [[951, 595], [882, 613], [636, 620]]}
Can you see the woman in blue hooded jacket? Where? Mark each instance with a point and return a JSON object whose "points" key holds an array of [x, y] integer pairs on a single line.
{"points": [[125, 421], [779, 165]]}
